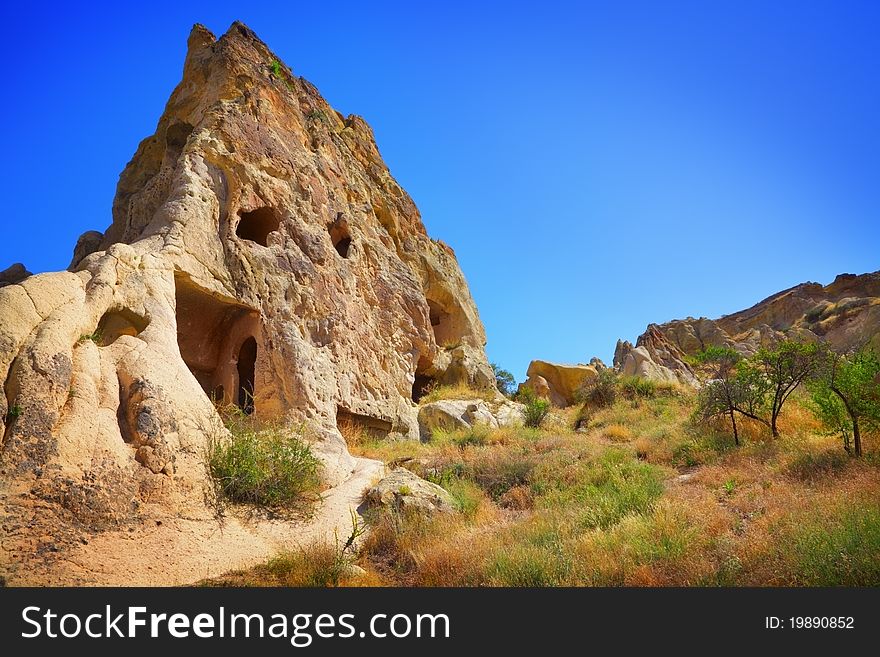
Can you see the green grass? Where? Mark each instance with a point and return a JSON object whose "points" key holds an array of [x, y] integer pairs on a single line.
{"points": [[266, 466], [601, 491], [13, 413], [96, 336], [837, 551]]}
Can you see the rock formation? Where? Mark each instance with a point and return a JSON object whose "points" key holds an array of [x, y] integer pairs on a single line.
{"points": [[453, 414], [845, 314], [404, 491], [556, 382], [260, 254]]}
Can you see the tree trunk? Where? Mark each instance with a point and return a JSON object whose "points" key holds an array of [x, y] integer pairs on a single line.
{"points": [[857, 437], [733, 421]]}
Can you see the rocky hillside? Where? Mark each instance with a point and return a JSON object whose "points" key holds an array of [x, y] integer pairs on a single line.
{"points": [[261, 255], [845, 314]]}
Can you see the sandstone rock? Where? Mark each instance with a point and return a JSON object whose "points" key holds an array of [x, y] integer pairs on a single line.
{"points": [[621, 351], [87, 244], [845, 314], [640, 363], [558, 383], [454, 414], [260, 254], [405, 491], [13, 274]]}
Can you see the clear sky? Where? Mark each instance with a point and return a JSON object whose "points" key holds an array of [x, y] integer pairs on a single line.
{"points": [[595, 166]]}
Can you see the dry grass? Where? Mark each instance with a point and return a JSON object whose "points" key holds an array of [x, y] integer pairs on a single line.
{"points": [[607, 506], [457, 391]]}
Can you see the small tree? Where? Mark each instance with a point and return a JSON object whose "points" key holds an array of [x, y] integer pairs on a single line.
{"points": [[504, 380], [725, 393], [782, 370], [846, 394]]}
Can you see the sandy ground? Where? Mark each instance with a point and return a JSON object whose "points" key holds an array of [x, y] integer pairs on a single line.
{"points": [[181, 551]]}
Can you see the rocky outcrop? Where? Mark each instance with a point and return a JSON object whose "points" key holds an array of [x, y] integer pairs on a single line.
{"points": [[260, 254], [845, 314], [13, 274], [556, 382], [403, 491], [455, 414]]}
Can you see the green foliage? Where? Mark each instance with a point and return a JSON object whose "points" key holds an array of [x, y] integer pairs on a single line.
{"points": [[717, 355], [536, 408], [599, 392], [277, 68], [96, 336], [783, 369], [13, 413], [637, 387], [504, 380], [845, 394], [837, 551], [605, 489], [264, 466]]}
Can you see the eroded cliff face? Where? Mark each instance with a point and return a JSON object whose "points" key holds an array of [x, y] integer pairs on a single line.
{"points": [[844, 314], [260, 254]]}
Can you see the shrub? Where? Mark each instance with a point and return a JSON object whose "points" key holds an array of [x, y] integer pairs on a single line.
{"points": [[536, 408], [270, 466], [810, 466], [636, 387], [499, 472], [617, 433], [600, 392]]}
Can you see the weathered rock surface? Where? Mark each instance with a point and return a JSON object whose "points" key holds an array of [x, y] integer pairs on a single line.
{"points": [[260, 254], [13, 274], [845, 314], [556, 382], [405, 491], [453, 414]]}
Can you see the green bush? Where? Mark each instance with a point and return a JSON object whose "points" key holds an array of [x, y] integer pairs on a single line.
{"points": [[536, 408], [600, 392], [264, 466], [636, 387]]}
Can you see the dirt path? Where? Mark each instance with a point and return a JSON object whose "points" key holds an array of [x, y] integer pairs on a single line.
{"points": [[181, 551]]}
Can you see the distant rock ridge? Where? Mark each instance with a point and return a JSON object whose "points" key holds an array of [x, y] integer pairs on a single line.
{"points": [[845, 314]]}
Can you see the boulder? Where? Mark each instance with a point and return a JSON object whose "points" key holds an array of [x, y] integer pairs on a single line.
{"points": [[455, 414], [404, 491], [14, 274], [556, 382]]}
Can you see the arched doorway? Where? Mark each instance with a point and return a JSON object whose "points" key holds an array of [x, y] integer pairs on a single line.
{"points": [[247, 361]]}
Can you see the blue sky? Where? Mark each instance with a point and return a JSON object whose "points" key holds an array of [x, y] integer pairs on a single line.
{"points": [[596, 166]]}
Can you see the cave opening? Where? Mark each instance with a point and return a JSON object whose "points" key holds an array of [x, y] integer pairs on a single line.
{"points": [[256, 225], [116, 323], [340, 235], [246, 366], [447, 331], [356, 427], [422, 385], [217, 337]]}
